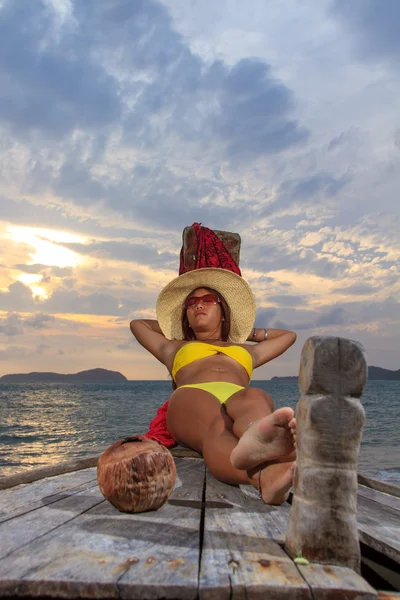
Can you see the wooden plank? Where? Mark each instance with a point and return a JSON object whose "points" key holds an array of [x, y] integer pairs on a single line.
{"points": [[379, 497], [51, 471], [12, 512], [240, 555], [102, 553], [32, 475], [389, 595], [29, 496], [379, 527], [381, 486], [328, 582], [18, 531]]}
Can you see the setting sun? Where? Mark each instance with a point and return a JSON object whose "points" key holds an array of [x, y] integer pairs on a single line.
{"points": [[31, 280], [45, 242]]}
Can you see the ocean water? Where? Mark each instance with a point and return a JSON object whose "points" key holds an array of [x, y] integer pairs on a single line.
{"points": [[42, 424]]}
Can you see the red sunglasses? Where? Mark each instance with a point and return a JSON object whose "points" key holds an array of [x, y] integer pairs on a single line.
{"points": [[207, 299]]}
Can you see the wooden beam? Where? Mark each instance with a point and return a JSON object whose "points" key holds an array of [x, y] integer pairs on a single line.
{"points": [[35, 474], [381, 486], [68, 466]]}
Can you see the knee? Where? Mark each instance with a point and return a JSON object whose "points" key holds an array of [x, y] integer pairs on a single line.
{"points": [[257, 397]]}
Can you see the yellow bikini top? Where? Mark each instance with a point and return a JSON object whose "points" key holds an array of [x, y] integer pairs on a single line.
{"points": [[195, 350]]}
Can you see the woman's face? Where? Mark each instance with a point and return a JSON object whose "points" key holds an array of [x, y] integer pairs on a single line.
{"points": [[204, 315]]}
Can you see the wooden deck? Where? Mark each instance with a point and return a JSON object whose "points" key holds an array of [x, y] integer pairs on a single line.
{"points": [[59, 538]]}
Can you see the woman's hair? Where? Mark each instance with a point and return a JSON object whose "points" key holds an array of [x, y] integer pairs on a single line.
{"points": [[188, 333]]}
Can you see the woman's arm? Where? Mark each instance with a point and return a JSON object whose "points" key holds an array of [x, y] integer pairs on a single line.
{"points": [[149, 335], [270, 344]]}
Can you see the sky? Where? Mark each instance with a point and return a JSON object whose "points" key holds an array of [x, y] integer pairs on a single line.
{"points": [[123, 122]]}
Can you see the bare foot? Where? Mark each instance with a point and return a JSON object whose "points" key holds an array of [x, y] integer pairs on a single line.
{"points": [[275, 482], [271, 438]]}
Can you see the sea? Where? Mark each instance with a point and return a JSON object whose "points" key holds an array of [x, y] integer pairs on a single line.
{"points": [[42, 424]]}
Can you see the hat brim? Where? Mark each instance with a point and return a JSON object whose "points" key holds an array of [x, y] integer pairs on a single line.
{"points": [[234, 289]]}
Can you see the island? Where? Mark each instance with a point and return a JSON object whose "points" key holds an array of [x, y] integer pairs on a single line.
{"points": [[374, 374], [82, 376]]}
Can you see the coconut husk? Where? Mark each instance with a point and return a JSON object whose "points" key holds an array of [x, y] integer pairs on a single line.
{"points": [[136, 474]]}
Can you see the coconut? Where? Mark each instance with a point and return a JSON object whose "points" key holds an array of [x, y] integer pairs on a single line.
{"points": [[136, 474]]}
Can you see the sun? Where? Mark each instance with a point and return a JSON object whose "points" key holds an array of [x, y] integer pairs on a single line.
{"points": [[47, 251], [46, 244]]}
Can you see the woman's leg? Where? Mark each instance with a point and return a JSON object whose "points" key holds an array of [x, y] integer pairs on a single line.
{"points": [[196, 419], [267, 444], [265, 434]]}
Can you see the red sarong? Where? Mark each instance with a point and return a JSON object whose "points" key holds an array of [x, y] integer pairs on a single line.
{"points": [[211, 253]]}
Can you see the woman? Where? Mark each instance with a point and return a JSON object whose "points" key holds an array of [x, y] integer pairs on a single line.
{"points": [[203, 319]]}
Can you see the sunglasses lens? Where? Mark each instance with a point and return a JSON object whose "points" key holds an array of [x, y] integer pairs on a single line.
{"points": [[191, 302], [207, 299], [210, 299]]}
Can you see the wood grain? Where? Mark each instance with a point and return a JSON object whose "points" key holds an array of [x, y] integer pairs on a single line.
{"points": [[379, 527], [52, 471], [382, 486], [18, 531], [89, 549], [240, 557], [329, 582], [381, 498], [69, 466], [26, 497], [323, 523]]}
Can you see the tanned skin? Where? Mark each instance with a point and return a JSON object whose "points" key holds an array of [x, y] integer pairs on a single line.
{"points": [[244, 441]]}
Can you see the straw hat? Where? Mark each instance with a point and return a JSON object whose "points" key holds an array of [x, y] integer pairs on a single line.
{"points": [[235, 290]]}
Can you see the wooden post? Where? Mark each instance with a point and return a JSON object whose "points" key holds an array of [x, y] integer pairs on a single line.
{"points": [[322, 524], [230, 240]]}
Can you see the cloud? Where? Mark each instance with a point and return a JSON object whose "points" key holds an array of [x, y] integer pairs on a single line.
{"points": [[355, 316], [375, 26], [70, 301], [336, 316], [38, 269], [63, 76], [17, 297], [286, 300], [317, 188], [39, 321], [281, 251], [360, 289], [112, 100], [264, 317], [15, 324], [253, 111], [14, 353], [49, 84], [11, 325], [125, 251], [295, 325]]}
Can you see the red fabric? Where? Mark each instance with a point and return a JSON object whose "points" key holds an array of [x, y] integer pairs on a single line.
{"points": [[158, 428], [211, 253]]}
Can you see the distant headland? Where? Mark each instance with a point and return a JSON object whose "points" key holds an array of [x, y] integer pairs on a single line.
{"points": [[90, 375], [374, 374]]}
